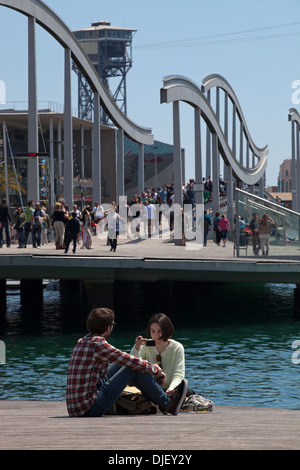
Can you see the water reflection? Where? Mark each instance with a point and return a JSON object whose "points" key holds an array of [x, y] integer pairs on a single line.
{"points": [[238, 343]]}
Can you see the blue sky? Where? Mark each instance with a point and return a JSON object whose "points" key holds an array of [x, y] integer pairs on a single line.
{"points": [[254, 45]]}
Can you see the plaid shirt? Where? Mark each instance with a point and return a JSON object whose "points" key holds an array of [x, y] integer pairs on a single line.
{"points": [[88, 364]]}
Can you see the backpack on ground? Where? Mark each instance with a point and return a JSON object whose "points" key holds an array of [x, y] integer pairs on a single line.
{"points": [[197, 403]]}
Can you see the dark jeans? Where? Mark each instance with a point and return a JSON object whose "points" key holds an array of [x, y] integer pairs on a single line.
{"points": [[21, 237], [27, 229], [5, 226], [69, 237], [113, 384], [36, 236]]}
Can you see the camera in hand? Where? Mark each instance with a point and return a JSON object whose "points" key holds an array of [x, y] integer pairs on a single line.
{"points": [[150, 342]]}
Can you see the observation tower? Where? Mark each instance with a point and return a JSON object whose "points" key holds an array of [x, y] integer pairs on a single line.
{"points": [[109, 48]]}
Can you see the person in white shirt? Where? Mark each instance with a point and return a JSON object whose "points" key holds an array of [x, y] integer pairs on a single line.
{"points": [[151, 212]]}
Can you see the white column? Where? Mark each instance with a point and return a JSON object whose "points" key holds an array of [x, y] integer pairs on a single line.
{"points": [[241, 143], [33, 191], [230, 199], [68, 133], [298, 167], [215, 178], [120, 163], [225, 128], [294, 176], [177, 155], [96, 155], [59, 149], [51, 165], [4, 137], [141, 177], [82, 171], [198, 154], [234, 130], [208, 147]]}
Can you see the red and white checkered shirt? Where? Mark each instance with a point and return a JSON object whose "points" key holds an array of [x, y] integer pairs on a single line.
{"points": [[88, 364]]}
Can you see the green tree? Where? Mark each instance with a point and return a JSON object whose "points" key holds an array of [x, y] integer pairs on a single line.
{"points": [[12, 183]]}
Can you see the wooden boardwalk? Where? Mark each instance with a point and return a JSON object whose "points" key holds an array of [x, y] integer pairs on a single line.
{"points": [[45, 425]]}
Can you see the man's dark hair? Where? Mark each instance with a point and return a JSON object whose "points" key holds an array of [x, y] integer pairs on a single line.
{"points": [[99, 320]]}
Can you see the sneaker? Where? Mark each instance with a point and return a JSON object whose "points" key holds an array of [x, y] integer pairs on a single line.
{"points": [[178, 399]]}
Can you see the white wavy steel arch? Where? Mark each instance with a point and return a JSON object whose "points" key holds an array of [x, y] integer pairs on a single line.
{"points": [[294, 118], [177, 88], [217, 81], [46, 18]]}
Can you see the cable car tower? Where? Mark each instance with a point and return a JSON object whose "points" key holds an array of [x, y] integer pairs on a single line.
{"points": [[109, 48]]}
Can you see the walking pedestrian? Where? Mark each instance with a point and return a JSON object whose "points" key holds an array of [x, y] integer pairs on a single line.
{"points": [[28, 221], [265, 229], [217, 230], [72, 230], [58, 222], [19, 219], [4, 223], [37, 224], [224, 226]]}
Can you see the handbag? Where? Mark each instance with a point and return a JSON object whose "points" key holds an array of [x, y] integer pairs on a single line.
{"points": [[132, 402]]}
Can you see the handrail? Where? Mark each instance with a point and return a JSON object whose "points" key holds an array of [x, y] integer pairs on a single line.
{"points": [[294, 115], [215, 80], [179, 88]]}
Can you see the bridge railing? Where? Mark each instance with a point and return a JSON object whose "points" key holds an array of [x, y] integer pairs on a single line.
{"points": [[277, 235]]}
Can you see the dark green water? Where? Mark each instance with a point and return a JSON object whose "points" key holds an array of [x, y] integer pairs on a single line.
{"points": [[237, 338]]}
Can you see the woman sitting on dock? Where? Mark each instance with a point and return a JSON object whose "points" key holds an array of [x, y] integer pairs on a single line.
{"points": [[164, 351]]}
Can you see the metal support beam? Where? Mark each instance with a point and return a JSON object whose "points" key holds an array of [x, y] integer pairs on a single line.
{"points": [[294, 174], [141, 163], [120, 163], [198, 153], [298, 166], [68, 133], [208, 146], [241, 143], [82, 169], [230, 215], [215, 177], [59, 149], [177, 155], [225, 128], [33, 191], [4, 137], [51, 165], [96, 155]]}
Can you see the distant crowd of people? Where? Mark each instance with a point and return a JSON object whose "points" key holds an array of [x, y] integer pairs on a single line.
{"points": [[71, 225]]}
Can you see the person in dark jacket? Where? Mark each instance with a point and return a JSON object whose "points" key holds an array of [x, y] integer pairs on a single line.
{"points": [[72, 230], [4, 223]]}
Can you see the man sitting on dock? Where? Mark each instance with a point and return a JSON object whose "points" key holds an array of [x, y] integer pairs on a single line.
{"points": [[94, 385]]}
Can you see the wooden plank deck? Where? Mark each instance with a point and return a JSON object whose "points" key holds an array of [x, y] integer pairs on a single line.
{"points": [[45, 425]]}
